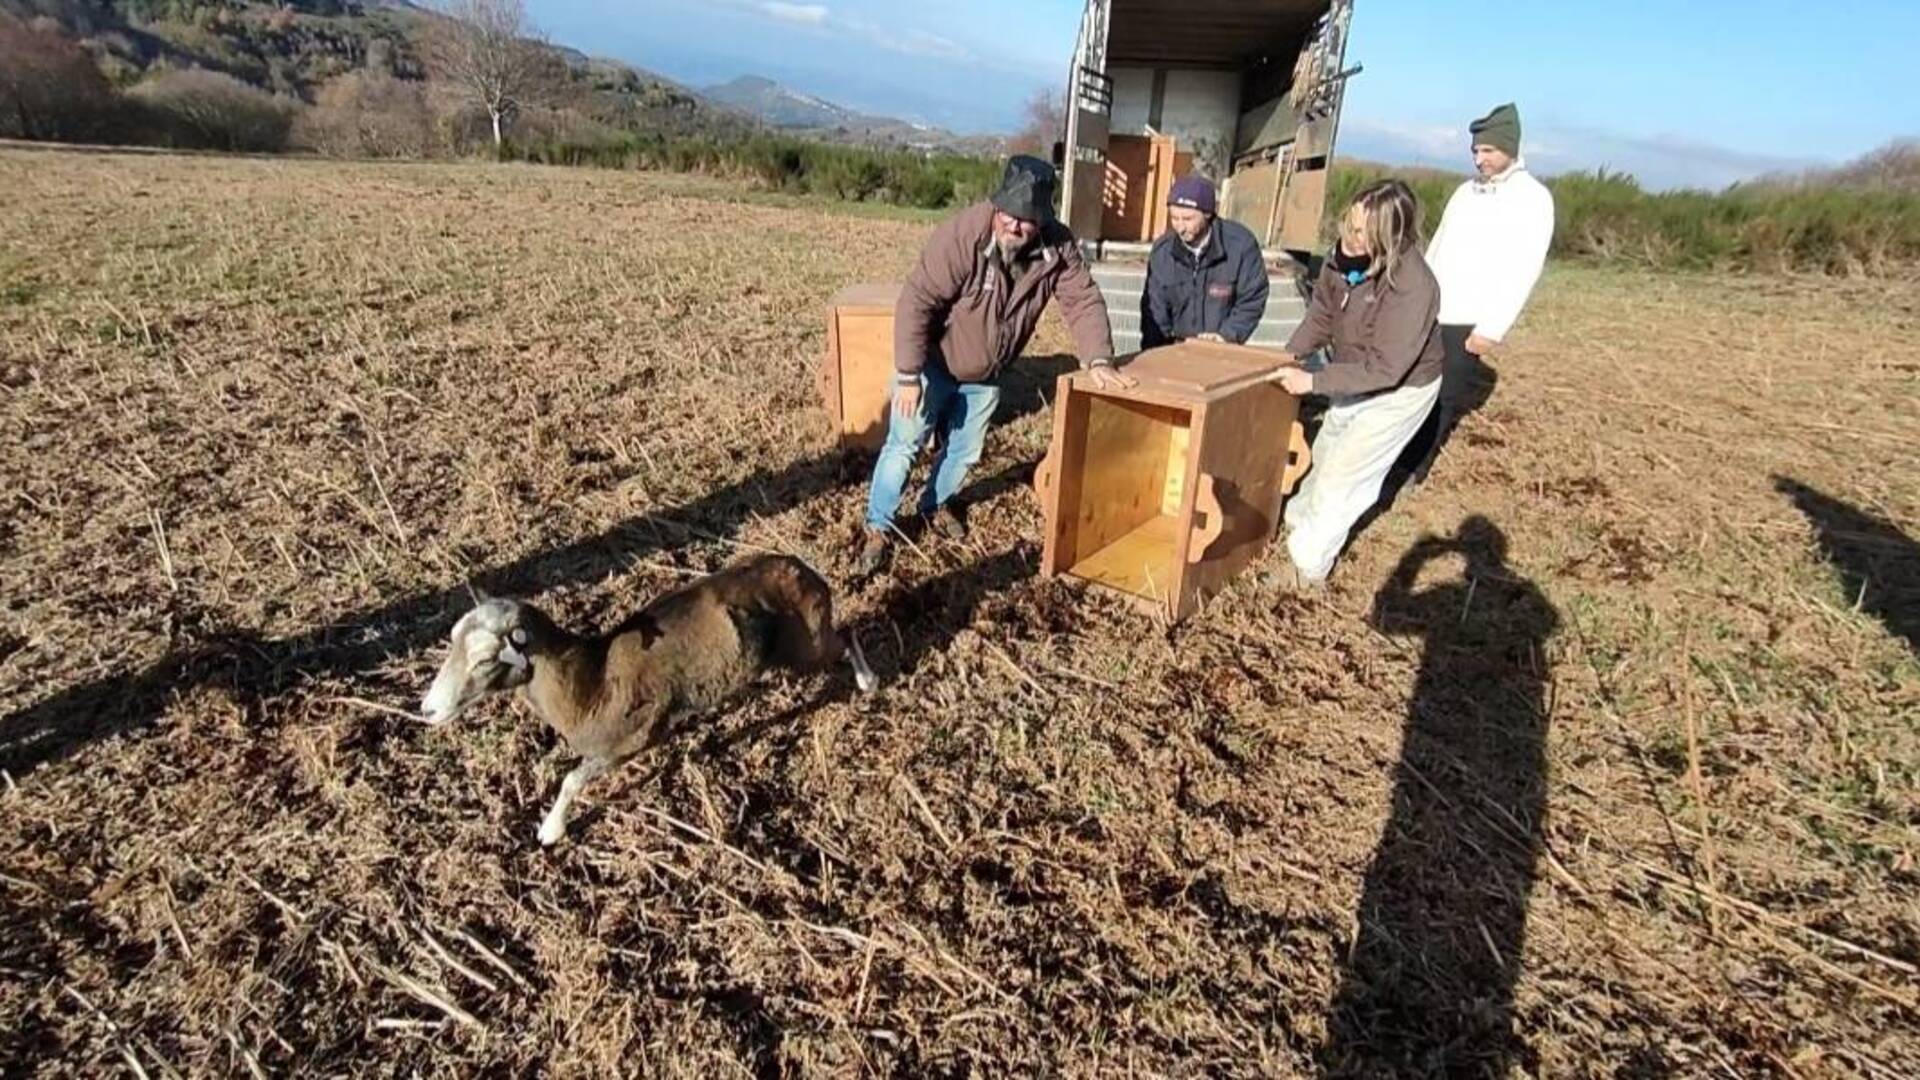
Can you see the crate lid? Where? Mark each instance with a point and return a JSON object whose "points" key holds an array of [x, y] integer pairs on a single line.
{"points": [[1202, 367], [868, 295]]}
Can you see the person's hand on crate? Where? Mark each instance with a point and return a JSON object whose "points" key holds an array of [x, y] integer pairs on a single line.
{"points": [[1295, 381], [1106, 378], [906, 399], [1209, 337]]}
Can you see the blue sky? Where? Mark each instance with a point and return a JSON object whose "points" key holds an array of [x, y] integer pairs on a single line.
{"points": [[1701, 93]]}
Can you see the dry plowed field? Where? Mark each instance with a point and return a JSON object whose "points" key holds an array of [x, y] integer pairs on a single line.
{"points": [[1599, 757]]}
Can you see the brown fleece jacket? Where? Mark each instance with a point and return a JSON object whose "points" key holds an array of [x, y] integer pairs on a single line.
{"points": [[1383, 337], [961, 307]]}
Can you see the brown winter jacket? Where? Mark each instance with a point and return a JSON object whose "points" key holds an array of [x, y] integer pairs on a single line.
{"points": [[959, 306], [1383, 338]]}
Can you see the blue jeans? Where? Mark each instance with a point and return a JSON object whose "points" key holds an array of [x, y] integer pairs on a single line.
{"points": [[960, 412]]}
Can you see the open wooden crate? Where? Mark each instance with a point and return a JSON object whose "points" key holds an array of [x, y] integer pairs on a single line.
{"points": [[855, 377], [1165, 490]]}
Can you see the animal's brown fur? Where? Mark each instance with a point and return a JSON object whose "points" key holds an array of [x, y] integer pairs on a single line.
{"points": [[684, 653], [689, 651]]}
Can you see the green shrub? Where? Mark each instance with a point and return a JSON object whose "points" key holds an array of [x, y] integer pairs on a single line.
{"points": [[209, 110], [1608, 216], [781, 163]]}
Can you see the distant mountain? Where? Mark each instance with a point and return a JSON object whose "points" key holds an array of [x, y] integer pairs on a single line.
{"points": [[778, 105], [803, 114]]}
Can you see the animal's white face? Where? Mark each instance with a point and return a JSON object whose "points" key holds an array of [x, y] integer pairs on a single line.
{"points": [[488, 653]]}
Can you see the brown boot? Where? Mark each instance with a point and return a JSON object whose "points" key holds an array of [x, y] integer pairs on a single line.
{"points": [[947, 524], [873, 555]]}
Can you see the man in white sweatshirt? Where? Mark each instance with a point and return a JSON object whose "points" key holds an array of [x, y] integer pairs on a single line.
{"points": [[1487, 255]]}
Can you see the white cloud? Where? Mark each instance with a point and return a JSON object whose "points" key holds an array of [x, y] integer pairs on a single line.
{"points": [[810, 14], [803, 14], [911, 42]]}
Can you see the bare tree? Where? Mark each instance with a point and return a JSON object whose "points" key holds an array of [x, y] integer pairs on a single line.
{"points": [[368, 114], [1046, 124], [487, 49]]}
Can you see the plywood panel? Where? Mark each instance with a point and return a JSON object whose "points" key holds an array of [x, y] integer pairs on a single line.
{"points": [[1141, 563], [1251, 198], [1123, 472], [1313, 139], [1175, 486], [856, 372], [867, 299], [1058, 478], [1201, 368], [1168, 165], [1127, 188], [1301, 207], [1305, 198], [1270, 123], [866, 380], [1159, 186], [1244, 448]]}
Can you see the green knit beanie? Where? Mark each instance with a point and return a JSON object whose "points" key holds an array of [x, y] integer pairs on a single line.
{"points": [[1499, 128]]}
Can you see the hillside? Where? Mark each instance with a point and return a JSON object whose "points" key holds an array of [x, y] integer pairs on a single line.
{"points": [[804, 114], [288, 48], [778, 105], [295, 47]]}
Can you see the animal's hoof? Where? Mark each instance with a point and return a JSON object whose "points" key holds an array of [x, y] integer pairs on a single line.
{"points": [[551, 832], [866, 681]]}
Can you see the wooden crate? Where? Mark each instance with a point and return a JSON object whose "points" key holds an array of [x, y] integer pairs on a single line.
{"points": [[1139, 176], [855, 376], [1165, 490]]}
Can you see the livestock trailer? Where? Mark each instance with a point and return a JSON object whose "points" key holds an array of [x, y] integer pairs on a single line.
{"points": [[1244, 92]]}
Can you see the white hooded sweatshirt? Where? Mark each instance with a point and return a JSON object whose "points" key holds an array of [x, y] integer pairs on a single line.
{"points": [[1489, 249]]}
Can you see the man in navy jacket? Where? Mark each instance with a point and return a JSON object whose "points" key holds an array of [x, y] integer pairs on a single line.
{"points": [[1205, 277]]}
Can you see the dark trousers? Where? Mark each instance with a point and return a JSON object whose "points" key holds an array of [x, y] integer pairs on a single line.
{"points": [[1459, 382]]}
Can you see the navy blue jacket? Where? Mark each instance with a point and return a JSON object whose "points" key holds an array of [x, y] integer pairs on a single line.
{"points": [[1225, 293]]}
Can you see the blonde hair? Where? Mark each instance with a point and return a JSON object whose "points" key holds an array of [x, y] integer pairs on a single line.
{"points": [[1393, 224]]}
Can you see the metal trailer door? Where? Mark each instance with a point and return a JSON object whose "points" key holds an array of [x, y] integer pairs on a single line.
{"points": [[1319, 90], [1089, 119]]}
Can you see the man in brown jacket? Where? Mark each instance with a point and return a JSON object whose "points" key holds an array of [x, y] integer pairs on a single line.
{"points": [[967, 311]]}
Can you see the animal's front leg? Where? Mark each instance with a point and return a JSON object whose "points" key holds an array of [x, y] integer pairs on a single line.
{"points": [[555, 824], [863, 676]]}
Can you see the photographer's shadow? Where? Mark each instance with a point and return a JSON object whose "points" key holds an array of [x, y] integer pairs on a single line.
{"points": [[1427, 988]]}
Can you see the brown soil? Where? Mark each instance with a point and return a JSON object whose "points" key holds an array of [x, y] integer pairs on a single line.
{"points": [[1599, 758]]}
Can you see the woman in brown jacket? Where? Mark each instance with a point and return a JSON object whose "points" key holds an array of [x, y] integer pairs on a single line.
{"points": [[1374, 309]]}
